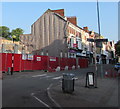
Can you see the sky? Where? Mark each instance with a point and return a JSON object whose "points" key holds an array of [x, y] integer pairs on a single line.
{"points": [[24, 14]]}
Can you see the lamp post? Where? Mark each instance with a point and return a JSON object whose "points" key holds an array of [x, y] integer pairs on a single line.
{"points": [[101, 66]]}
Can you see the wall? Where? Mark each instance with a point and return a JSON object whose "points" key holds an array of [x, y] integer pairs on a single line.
{"points": [[48, 34]]}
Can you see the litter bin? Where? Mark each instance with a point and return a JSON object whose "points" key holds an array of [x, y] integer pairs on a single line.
{"points": [[68, 82]]}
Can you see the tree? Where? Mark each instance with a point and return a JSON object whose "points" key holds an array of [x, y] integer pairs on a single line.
{"points": [[4, 32], [17, 33], [117, 48]]}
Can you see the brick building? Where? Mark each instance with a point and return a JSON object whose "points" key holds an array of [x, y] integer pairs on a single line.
{"points": [[54, 34]]}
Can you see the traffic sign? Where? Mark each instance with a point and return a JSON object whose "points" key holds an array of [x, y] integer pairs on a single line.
{"points": [[97, 40], [90, 40], [101, 40]]}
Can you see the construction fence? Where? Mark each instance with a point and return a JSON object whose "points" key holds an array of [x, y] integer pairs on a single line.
{"points": [[22, 62]]}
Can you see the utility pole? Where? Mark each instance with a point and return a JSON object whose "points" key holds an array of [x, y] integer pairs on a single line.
{"points": [[101, 66]]}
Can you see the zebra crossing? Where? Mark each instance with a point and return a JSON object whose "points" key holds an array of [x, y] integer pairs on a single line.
{"points": [[43, 76], [47, 76]]}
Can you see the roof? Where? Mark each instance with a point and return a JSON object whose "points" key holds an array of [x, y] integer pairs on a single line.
{"points": [[62, 17]]}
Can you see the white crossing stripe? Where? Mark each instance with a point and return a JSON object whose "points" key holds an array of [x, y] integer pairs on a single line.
{"points": [[39, 75], [59, 77], [40, 101], [48, 76]]}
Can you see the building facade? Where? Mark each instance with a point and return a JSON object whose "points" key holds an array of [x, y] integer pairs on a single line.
{"points": [[54, 34]]}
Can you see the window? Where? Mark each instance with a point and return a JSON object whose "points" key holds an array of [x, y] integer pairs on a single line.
{"points": [[61, 54], [78, 42], [71, 41]]}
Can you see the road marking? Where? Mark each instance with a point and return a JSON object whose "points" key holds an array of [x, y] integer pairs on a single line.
{"points": [[48, 76], [59, 77], [39, 75], [49, 95], [32, 94], [76, 78]]}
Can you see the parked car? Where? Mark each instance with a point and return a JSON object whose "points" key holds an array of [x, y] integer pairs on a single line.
{"points": [[117, 66]]}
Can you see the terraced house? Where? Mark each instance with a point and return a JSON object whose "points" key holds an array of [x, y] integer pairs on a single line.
{"points": [[55, 34]]}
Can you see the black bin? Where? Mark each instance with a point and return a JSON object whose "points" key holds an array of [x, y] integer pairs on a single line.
{"points": [[68, 83]]}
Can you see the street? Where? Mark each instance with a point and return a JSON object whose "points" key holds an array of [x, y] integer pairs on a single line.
{"points": [[31, 89]]}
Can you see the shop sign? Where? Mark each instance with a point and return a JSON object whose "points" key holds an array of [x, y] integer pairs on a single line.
{"points": [[72, 51]]}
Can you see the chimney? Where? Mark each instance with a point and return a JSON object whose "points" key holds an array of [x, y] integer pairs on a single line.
{"points": [[86, 29], [59, 11], [72, 20]]}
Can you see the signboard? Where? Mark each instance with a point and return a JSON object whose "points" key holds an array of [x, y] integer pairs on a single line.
{"points": [[72, 51], [24, 56], [99, 44], [52, 59], [78, 54], [30, 57], [97, 40], [90, 80], [101, 40], [38, 58], [90, 40]]}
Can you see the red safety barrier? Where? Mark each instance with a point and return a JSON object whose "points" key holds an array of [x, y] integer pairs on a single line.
{"points": [[63, 63], [39, 62], [83, 63], [54, 62], [17, 62], [45, 60], [0, 66]]}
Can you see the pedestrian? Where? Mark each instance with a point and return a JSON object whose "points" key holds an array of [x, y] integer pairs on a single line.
{"points": [[11, 70]]}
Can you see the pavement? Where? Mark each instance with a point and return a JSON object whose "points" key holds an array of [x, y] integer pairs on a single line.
{"points": [[105, 95]]}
